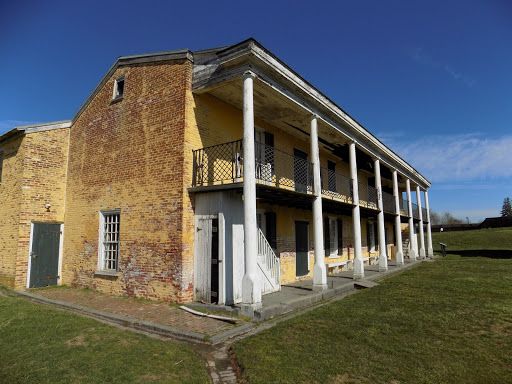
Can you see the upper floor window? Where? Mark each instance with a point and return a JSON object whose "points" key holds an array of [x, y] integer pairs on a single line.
{"points": [[108, 247], [118, 88]]}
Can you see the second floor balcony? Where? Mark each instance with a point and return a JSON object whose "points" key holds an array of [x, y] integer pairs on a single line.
{"points": [[222, 165]]}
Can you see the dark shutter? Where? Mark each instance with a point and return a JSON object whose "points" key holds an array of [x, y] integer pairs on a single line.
{"points": [[327, 241], [339, 223], [394, 235], [368, 235], [376, 236], [269, 150], [270, 218]]}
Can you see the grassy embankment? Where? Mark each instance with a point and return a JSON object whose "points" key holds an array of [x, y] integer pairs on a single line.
{"points": [[444, 322], [39, 344]]}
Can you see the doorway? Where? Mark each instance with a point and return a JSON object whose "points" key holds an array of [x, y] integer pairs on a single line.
{"points": [[44, 255], [301, 248]]}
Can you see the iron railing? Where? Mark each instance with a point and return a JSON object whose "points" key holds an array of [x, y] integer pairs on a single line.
{"points": [[424, 213], [415, 211], [388, 202], [223, 163], [404, 207], [367, 196], [336, 185], [217, 164]]}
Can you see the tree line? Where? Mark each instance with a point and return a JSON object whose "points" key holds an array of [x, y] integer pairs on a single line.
{"points": [[447, 218]]}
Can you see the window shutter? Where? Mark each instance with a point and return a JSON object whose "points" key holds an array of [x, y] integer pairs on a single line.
{"points": [[327, 238], [339, 224], [270, 218], [376, 236], [368, 235]]}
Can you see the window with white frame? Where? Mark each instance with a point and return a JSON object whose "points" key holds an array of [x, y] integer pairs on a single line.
{"points": [[118, 88], [108, 247]]}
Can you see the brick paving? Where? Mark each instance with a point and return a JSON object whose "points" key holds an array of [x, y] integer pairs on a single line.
{"points": [[161, 313]]}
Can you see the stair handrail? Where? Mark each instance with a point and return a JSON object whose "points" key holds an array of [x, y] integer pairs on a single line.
{"points": [[270, 259]]}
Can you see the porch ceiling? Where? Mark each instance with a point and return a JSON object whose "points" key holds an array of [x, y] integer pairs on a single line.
{"points": [[275, 109], [279, 111]]}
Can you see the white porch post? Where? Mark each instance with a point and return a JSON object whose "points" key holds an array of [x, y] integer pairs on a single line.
{"points": [[356, 218], [412, 253], [319, 272], [251, 290], [422, 235], [429, 231], [398, 223], [383, 257]]}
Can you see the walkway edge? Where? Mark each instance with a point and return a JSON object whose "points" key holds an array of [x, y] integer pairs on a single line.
{"points": [[126, 321]]}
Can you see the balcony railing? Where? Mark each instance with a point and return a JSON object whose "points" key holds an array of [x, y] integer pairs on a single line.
{"points": [[424, 213], [223, 164], [415, 211], [388, 202], [336, 185], [367, 196], [404, 207]]}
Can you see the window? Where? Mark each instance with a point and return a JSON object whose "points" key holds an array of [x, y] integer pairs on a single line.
{"points": [[331, 175], [264, 154], [1, 164], [332, 231], [371, 236], [108, 247], [118, 88]]}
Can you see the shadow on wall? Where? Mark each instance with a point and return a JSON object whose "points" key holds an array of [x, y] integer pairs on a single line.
{"points": [[492, 254]]}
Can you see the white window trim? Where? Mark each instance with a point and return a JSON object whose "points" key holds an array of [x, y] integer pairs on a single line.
{"points": [[101, 234], [115, 94]]}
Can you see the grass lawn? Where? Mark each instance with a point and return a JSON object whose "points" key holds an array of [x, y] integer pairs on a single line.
{"points": [[444, 322], [39, 344]]}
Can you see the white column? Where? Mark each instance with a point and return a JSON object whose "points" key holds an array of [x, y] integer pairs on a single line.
{"points": [[319, 272], [251, 290], [398, 223], [383, 257], [430, 250], [412, 252], [356, 218], [422, 235]]}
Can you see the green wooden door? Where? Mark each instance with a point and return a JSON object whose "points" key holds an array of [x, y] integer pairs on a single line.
{"points": [[44, 264], [301, 248]]}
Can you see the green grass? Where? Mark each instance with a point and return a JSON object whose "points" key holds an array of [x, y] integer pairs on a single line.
{"points": [[492, 242], [40, 344], [444, 322]]}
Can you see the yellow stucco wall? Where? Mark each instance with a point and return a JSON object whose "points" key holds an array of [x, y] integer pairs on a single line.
{"points": [[212, 122]]}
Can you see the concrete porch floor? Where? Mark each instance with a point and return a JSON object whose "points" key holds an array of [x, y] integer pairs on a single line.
{"points": [[300, 293]]}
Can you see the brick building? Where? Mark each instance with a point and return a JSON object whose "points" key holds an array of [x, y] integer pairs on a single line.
{"points": [[210, 175]]}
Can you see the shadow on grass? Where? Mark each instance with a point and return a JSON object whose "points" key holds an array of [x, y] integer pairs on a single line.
{"points": [[492, 254]]}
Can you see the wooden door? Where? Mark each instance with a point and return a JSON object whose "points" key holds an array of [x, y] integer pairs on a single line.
{"points": [[44, 263], [301, 248]]}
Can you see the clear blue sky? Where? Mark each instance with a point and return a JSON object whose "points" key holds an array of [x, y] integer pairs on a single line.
{"points": [[431, 79]]}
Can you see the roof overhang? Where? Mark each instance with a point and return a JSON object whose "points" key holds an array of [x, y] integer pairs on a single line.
{"points": [[226, 66], [32, 128]]}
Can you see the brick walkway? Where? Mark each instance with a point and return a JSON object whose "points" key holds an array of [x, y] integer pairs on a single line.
{"points": [[161, 313]]}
